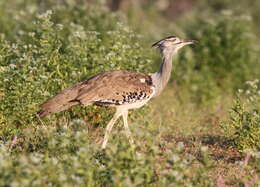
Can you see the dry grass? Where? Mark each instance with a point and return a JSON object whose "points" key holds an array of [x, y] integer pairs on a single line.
{"points": [[196, 127]]}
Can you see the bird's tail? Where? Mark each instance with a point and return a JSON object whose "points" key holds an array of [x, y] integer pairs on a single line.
{"points": [[49, 108], [42, 113], [62, 101]]}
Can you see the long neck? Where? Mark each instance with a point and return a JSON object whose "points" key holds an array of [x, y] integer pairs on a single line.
{"points": [[162, 76]]}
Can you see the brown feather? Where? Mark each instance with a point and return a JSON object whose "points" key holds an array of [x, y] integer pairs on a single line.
{"points": [[59, 102], [113, 86]]}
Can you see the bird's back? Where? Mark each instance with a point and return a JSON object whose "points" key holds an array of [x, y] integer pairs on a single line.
{"points": [[110, 88]]}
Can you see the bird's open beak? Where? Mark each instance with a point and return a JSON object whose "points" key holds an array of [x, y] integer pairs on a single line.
{"points": [[187, 42]]}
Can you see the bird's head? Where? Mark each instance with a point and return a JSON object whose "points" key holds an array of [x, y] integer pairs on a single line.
{"points": [[172, 44]]}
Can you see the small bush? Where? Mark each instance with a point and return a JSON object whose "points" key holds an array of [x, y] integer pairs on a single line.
{"points": [[65, 156], [224, 58], [244, 123], [57, 51]]}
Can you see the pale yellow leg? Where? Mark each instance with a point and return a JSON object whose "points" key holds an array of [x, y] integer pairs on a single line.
{"points": [[109, 128], [127, 130]]}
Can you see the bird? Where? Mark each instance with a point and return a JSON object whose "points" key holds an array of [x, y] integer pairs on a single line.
{"points": [[121, 89]]}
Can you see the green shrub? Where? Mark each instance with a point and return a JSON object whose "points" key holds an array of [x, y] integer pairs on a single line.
{"points": [[224, 58], [65, 156], [61, 47], [243, 126], [243, 7]]}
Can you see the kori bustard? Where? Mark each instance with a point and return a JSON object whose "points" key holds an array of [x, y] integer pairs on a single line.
{"points": [[121, 89]]}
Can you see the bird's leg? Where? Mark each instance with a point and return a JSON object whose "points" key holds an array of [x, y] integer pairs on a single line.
{"points": [[109, 128], [127, 130]]}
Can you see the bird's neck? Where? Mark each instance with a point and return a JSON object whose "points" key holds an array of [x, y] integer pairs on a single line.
{"points": [[162, 76]]}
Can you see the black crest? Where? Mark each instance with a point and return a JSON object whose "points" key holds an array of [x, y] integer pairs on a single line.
{"points": [[159, 42]]}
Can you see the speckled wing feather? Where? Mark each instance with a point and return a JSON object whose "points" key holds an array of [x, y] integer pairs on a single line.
{"points": [[105, 89], [115, 88]]}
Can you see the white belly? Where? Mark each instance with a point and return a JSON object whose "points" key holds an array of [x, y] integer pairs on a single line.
{"points": [[134, 105]]}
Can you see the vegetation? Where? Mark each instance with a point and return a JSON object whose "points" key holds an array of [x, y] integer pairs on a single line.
{"points": [[224, 56], [185, 137], [244, 118], [51, 56]]}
